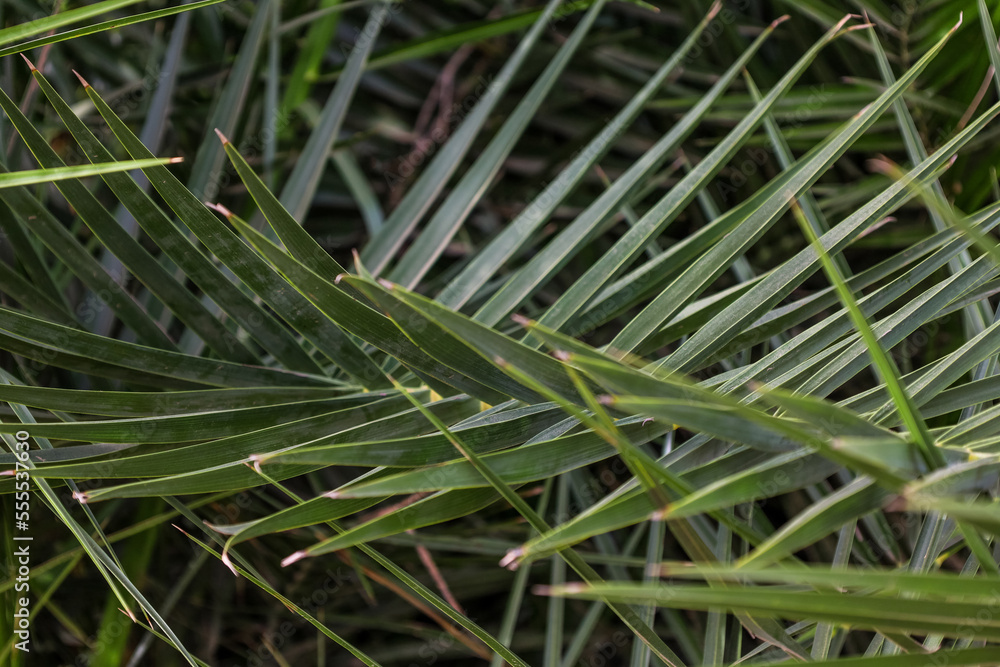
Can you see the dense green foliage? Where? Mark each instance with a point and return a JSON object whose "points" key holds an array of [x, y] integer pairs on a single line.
{"points": [[568, 333]]}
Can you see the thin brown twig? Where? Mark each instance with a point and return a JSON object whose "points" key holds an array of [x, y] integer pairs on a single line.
{"points": [[977, 100], [405, 502], [428, 560], [471, 643], [32, 90]]}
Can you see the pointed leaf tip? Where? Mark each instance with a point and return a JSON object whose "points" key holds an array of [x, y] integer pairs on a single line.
{"points": [[82, 80], [520, 319], [228, 563], [31, 65], [358, 264], [297, 556], [540, 589], [778, 21], [220, 209], [660, 514], [179, 528], [878, 165], [840, 23], [510, 560], [257, 460], [221, 136]]}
